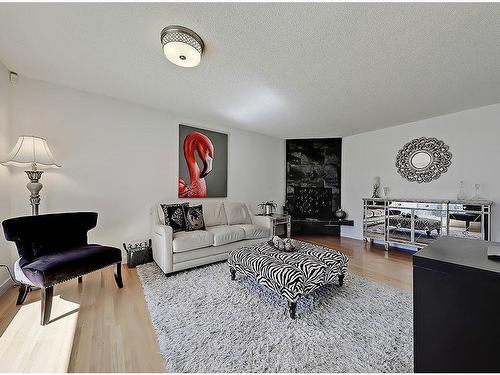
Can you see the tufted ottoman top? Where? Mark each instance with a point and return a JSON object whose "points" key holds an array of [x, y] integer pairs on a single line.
{"points": [[290, 274]]}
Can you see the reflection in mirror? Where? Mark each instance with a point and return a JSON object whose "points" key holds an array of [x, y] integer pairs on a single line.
{"points": [[421, 160]]}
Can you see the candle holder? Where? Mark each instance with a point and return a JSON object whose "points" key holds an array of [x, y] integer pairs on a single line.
{"points": [[376, 187]]}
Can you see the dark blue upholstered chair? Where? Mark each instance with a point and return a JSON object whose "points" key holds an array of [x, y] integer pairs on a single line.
{"points": [[54, 248]]}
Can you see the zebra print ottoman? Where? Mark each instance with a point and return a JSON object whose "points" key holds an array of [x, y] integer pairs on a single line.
{"points": [[290, 274]]}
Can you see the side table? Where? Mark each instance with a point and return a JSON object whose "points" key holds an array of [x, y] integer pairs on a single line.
{"points": [[281, 219]]}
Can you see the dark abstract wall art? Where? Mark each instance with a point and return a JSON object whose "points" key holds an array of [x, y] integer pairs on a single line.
{"points": [[313, 177]]}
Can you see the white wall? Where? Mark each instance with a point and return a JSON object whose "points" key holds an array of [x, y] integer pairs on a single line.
{"points": [[119, 158], [5, 210], [474, 140]]}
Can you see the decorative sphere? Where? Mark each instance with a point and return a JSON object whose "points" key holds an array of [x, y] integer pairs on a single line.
{"points": [[340, 214]]}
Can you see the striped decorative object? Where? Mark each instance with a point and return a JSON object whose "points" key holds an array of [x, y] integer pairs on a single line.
{"points": [[289, 274]]}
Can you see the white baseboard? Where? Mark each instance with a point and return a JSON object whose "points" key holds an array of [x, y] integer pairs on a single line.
{"points": [[5, 285], [354, 237]]}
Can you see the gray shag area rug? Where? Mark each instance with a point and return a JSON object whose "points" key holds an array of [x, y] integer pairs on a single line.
{"points": [[205, 322]]}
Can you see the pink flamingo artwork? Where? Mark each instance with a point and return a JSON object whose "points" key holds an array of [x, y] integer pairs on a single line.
{"points": [[200, 143]]}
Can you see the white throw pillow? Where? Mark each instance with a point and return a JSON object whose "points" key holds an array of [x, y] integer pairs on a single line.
{"points": [[237, 213], [161, 214], [214, 214]]}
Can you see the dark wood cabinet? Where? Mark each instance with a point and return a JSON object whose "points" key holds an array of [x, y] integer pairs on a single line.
{"points": [[456, 307]]}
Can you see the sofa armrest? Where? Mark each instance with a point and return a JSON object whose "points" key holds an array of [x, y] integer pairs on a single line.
{"points": [[161, 241], [264, 221]]}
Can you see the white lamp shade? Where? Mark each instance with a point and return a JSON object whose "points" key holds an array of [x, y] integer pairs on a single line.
{"points": [[29, 150], [182, 54]]}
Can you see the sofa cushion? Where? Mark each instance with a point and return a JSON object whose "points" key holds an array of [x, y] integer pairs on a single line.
{"points": [[237, 213], [254, 231], [214, 214], [224, 234], [185, 241]]}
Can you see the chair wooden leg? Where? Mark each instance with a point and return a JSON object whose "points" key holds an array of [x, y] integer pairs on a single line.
{"points": [[118, 274], [23, 293], [47, 294], [80, 279]]}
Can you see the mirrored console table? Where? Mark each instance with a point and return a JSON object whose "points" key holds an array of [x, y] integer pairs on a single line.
{"points": [[418, 222]]}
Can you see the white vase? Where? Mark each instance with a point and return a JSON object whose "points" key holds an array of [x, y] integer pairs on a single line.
{"points": [[477, 193]]}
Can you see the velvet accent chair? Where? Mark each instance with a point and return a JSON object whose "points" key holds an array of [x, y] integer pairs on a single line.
{"points": [[53, 248]]}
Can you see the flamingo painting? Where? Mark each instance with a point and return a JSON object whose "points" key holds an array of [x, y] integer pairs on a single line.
{"points": [[201, 144]]}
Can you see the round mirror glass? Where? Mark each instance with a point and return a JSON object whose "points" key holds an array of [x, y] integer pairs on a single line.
{"points": [[421, 160]]}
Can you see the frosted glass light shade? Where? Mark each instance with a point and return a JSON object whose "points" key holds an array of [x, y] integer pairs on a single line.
{"points": [[182, 54], [29, 150], [181, 46]]}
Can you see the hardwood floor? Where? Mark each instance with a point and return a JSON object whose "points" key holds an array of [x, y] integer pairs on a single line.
{"points": [[96, 327], [391, 267]]}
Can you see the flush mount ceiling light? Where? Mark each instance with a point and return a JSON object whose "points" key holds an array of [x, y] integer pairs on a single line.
{"points": [[181, 46]]}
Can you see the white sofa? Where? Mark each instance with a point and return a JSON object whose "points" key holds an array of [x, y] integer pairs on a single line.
{"points": [[228, 225]]}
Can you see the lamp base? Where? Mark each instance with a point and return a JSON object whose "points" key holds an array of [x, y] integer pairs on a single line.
{"points": [[34, 186]]}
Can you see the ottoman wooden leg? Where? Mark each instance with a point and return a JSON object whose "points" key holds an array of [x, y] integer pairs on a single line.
{"points": [[341, 279], [292, 307], [233, 273]]}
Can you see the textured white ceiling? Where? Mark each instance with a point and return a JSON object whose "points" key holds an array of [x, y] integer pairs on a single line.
{"points": [[290, 70]]}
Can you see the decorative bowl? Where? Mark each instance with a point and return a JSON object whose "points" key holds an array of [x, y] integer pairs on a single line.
{"points": [[282, 245]]}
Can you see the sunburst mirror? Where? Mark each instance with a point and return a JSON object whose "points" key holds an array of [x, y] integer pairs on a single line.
{"points": [[423, 159]]}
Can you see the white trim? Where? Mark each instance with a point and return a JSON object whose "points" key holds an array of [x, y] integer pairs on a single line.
{"points": [[6, 285]]}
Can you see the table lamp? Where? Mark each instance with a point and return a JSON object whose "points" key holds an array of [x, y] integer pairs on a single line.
{"points": [[34, 152]]}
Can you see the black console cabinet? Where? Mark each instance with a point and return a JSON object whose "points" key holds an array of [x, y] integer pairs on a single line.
{"points": [[325, 227], [456, 307]]}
